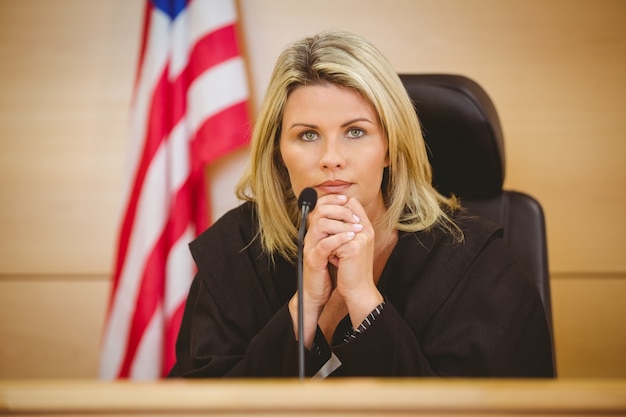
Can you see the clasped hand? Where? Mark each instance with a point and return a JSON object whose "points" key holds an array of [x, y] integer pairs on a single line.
{"points": [[340, 234]]}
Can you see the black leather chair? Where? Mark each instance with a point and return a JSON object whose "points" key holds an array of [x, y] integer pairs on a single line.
{"points": [[466, 150]]}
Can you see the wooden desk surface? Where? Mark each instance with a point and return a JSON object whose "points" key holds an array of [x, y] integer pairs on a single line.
{"points": [[369, 397]]}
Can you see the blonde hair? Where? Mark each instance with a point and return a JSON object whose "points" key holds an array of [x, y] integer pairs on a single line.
{"points": [[346, 60]]}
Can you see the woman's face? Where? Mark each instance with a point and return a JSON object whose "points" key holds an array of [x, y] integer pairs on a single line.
{"points": [[332, 140]]}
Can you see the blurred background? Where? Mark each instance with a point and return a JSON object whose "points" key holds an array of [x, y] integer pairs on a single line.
{"points": [[555, 69]]}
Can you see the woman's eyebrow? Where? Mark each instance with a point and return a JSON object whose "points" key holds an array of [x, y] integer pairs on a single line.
{"points": [[297, 124], [358, 119], [346, 124]]}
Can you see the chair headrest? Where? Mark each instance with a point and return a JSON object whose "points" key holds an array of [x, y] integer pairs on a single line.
{"points": [[462, 132]]}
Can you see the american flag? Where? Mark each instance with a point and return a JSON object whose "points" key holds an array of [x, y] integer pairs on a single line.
{"points": [[189, 108]]}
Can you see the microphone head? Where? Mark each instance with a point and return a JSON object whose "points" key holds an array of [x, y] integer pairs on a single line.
{"points": [[308, 197]]}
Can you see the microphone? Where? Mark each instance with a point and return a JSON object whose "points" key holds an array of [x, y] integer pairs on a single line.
{"points": [[308, 198], [306, 202]]}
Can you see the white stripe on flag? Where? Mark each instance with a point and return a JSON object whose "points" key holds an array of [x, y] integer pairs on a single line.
{"points": [[178, 157], [179, 273], [215, 90], [209, 15], [196, 21]]}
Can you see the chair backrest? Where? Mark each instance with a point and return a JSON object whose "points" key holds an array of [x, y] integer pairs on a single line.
{"points": [[466, 150]]}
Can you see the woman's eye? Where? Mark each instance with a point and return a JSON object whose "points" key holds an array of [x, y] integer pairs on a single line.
{"points": [[308, 136], [355, 133]]}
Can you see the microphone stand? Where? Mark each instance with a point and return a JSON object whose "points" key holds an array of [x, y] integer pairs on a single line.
{"points": [[306, 201], [302, 231]]}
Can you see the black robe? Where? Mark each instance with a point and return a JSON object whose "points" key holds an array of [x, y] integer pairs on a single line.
{"points": [[452, 309]]}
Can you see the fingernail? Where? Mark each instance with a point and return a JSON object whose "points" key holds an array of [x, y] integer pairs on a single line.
{"points": [[342, 197], [357, 226], [351, 234], [356, 218]]}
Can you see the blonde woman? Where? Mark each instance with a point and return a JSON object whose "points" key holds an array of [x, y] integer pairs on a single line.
{"points": [[397, 281]]}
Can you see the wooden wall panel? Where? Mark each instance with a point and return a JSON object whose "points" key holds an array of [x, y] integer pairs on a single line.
{"points": [[50, 326], [589, 317], [66, 76]]}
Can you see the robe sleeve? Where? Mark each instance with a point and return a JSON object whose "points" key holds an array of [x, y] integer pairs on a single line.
{"points": [[491, 323], [213, 345], [386, 348]]}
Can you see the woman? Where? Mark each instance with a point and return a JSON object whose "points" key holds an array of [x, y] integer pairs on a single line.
{"points": [[397, 280]]}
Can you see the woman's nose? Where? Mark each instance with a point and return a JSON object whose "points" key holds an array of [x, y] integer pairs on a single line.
{"points": [[333, 156]]}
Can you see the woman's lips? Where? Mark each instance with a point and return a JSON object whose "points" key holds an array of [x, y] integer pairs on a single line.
{"points": [[333, 187]]}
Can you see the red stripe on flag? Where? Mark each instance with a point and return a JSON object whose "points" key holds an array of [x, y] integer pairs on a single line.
{"points": [[231, 124], [212, 49]]}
